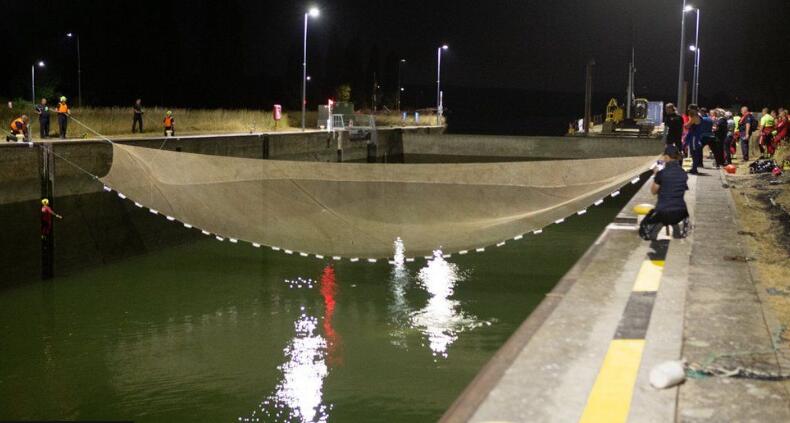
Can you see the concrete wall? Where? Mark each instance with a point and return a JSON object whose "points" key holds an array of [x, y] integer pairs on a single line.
{"points": [[532, 147]]}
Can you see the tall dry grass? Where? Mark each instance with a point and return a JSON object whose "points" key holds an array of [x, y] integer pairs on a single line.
{"points": [[118, 120]]}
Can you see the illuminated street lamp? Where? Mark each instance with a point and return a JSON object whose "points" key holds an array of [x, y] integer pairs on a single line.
{"points": [[682, 68], [312, 13], [439, 105], [39, 64], [79, 68], [697, 57], [400, 88]]}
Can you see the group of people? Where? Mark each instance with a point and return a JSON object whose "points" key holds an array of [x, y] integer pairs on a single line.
{"points": [[722, 132], [20, 126], [169, 121]]}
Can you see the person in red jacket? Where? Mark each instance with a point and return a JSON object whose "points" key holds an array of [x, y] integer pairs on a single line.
{"points": [[46, 218], [782, 128]]}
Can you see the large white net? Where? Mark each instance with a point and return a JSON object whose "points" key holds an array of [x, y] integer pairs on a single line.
{"points": [[357, 210]]}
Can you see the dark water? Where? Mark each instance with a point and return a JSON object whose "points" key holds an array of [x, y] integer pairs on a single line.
{"points": [[216, 332]]}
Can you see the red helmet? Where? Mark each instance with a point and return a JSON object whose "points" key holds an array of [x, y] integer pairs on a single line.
{"points": [[776, 171], [730, 168]]}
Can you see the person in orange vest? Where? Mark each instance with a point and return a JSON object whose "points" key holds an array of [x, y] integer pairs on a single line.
{"points": [[170, 124], [19, 127], [63, 116]]}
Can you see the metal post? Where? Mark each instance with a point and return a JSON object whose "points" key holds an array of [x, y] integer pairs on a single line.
{"points": [[681, 70], [588, 98], [696, 76], [304, 73], [398, 94], [33, 87], [79, 74], [439, 86], [695, 84]]}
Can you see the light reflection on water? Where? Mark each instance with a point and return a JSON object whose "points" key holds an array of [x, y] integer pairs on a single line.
{"points": [[442, 320], [298, 396]]}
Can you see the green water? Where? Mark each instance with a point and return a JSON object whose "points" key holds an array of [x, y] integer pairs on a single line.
{"points": [[215, 332]]}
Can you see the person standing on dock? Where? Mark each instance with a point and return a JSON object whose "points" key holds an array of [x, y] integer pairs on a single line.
{"points": [[767, 125], [674, 126], [42, 110], [720, 130], [170, 124], [63, 117], [137, 119], [694, 137], [746, 125]]}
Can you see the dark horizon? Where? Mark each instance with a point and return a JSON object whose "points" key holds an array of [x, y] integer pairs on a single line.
{"points": [[237, 54]]}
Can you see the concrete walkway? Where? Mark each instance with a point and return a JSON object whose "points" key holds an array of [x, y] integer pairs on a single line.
{"points": [[628, 305]]}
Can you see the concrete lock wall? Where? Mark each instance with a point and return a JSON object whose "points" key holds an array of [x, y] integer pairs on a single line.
{"points": [[99, 227], [532, 147]]}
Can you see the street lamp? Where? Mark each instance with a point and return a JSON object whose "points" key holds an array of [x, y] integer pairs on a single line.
{"points": [[312, 13], [682, 68], [695, 84], [439, 104], [39, 64], [697, 57], [400, 88], [79, 68]]}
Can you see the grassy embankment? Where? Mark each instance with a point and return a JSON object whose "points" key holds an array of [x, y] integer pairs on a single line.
{"points": [[117, 121]]}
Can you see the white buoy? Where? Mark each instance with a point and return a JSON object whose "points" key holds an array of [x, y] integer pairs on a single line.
{"points": [[667, 374]]}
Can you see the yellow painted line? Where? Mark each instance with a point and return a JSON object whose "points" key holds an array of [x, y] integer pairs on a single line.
{"points": [[610, 398], [649, 276]]}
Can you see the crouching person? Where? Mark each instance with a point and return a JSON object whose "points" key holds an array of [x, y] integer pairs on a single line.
{"points": [[670, 185]]}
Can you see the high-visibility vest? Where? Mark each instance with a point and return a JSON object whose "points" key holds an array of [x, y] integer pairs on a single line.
{"points": [[168, 122], [18, 126], [63, 108]]}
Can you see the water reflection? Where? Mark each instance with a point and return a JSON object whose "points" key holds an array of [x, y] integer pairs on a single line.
{"points": [[329, 291], [399, 310], [298, 396], [442, 319]]}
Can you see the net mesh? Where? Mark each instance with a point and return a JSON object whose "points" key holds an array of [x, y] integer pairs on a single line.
{"points": [[359, 210]]}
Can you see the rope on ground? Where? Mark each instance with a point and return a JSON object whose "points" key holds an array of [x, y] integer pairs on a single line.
{"points": [[91, 130], [707, 369]]}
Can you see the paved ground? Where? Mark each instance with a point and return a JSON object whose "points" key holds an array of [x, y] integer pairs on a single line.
{"points": [[629, 305]]}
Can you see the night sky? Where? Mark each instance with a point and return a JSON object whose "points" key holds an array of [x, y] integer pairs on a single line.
{"points": [[248, 53]]}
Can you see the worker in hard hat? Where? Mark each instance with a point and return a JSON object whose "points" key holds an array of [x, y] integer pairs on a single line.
{"points": [[19, 129], [46, 218], [170, 124], [63, 116]]}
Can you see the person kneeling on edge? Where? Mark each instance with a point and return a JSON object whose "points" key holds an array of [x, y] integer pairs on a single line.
{"points": [[670, 184], [19, 129], [170, 124], [46, 218]]}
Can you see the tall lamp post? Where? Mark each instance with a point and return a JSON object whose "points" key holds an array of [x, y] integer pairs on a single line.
{"points": [[696, 50], [697, 57], [39, 64], [400, 88], [312, 13], [79, 68], [682, 68], [439, 105]]}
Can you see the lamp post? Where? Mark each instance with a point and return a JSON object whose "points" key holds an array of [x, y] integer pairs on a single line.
{"points": [[695, 88], [400, 88], [39, 64], [79, 68], [695, 83], [682, 67], [439, 105], [312, 13]]}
